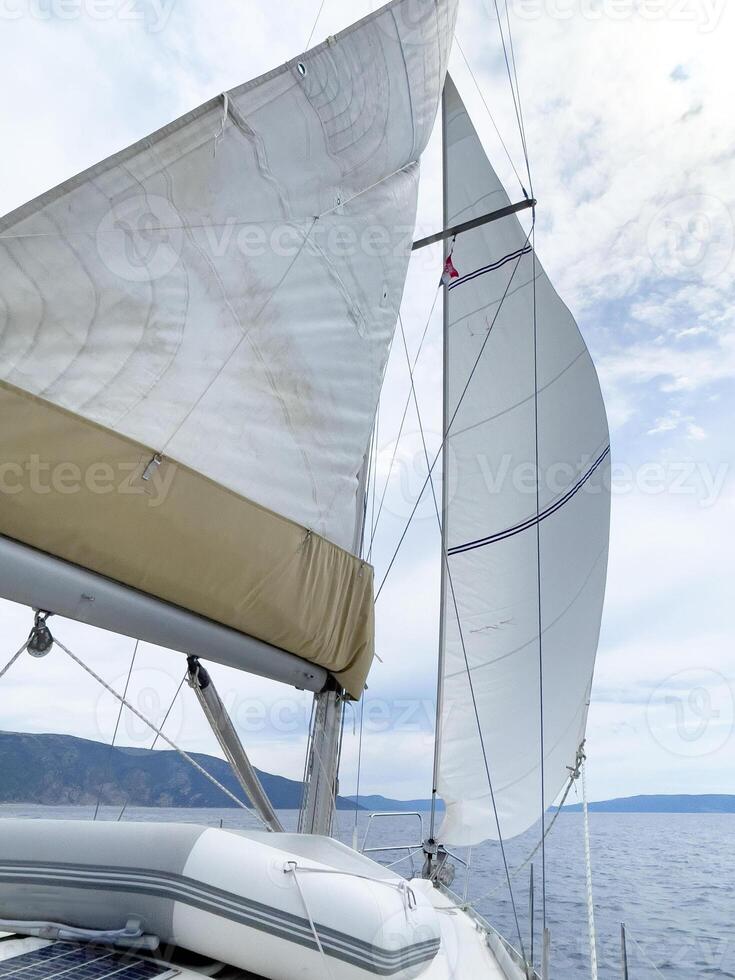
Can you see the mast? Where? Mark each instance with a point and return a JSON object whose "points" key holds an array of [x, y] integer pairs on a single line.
{"points": [[445, 403], [321, 778], [322, 769]]}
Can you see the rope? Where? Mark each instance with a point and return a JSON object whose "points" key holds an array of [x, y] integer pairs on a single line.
{"points": [[402, 887], [292, 868], [159, 733], [225, 113], [16, 656], [588, 871], [114, 734]]}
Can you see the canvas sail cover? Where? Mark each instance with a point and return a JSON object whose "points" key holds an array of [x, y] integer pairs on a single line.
{"points": [[193, 336], [492, 671]]}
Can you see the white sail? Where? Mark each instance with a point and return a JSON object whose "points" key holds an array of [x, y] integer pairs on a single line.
{"points": [[502, 542], [222, 295]]}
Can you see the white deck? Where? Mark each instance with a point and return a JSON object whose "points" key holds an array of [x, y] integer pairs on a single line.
{"points": [[464, 952]]}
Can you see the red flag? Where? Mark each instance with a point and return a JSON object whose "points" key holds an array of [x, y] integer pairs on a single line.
{"points": [[449, 272]]}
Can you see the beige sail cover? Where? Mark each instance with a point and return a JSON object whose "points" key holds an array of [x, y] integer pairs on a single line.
{"points": [[223, 295]]}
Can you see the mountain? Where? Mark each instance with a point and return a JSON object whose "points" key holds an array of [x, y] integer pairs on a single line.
{"points": [[58, 770], [662, 804], [631, 804], [380, 803]]}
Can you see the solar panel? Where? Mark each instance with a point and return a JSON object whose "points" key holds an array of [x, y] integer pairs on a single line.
{"points": [[70, 961]]}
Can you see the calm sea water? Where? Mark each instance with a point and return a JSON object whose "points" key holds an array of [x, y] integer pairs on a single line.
{"points": [[669, 877]]}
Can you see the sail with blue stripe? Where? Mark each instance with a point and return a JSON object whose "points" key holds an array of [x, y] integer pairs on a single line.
{"points": [[527, 505]]}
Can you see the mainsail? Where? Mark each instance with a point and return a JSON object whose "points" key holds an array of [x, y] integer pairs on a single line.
{"points": [[526, 574], [193, 337]]}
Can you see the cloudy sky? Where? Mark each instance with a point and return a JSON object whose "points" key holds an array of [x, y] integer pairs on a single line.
{"points": [[632, 145]]}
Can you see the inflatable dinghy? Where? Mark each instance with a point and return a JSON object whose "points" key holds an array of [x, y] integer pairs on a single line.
{"points": [[277, 905]]}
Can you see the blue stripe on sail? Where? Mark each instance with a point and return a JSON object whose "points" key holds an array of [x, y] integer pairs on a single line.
{"points": [[491, 268], [536, 519]]}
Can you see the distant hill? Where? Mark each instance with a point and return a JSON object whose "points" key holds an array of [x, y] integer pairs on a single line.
{"points": [[376, 803], [631, 804], [662, 804], [59, 770]]}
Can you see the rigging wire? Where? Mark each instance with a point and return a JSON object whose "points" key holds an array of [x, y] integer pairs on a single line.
{"points": [[516, 95], [335, 788], [445, 560], [313, 30], [152, 746], [114, 734], [372, 489], [305, 777], [574, 776], [359, 772], [184, 755], [492, 118], [403, 422], [518, 92], [449, 426], [16, 656], [245, 334]]}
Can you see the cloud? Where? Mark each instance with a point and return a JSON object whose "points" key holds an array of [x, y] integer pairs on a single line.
{"points": [[675, 420]]}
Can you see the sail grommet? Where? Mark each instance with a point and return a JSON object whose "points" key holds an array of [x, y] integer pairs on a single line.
{"points": [[301, 68]]}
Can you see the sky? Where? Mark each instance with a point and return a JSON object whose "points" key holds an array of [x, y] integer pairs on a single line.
{"points": [[631, 139]]}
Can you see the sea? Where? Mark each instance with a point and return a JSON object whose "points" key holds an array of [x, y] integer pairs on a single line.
{"points": [[669, 877]]}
